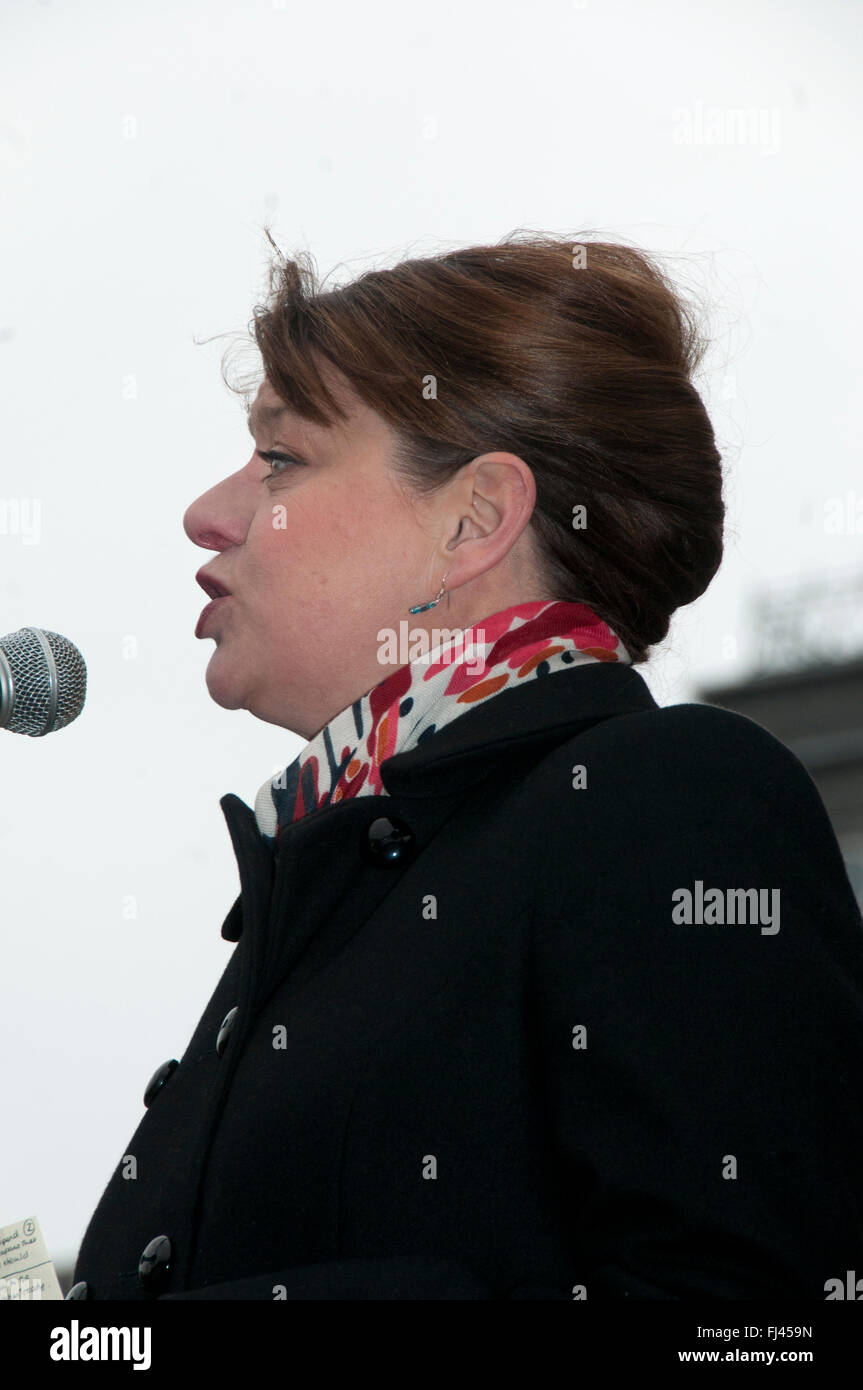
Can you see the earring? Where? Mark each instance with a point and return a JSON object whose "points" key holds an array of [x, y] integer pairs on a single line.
{"points": [[421, 607]]}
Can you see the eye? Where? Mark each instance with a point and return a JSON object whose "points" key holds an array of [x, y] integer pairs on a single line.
{"points": [[273, 456]]}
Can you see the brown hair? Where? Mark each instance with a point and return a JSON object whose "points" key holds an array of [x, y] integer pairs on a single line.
{"points": [[574, 355]]}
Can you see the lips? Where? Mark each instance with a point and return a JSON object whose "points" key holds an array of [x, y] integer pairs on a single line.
{"points": [[212, 587], [215, 591]]}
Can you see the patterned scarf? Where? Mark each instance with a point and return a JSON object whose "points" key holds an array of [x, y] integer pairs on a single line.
{"points": [[414, 701]]}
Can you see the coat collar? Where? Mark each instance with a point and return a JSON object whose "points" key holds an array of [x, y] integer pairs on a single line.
{"points": [[541, 713], [307, 897]]}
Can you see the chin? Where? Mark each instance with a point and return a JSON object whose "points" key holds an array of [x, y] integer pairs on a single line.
{"points": [[226, 687]]}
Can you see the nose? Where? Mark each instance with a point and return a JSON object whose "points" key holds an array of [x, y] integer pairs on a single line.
{"points": [[218, 518]]}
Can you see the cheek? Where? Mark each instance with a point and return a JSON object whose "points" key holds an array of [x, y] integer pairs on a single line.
{"points": [[324, 540], [341, 527], [301, 550]]}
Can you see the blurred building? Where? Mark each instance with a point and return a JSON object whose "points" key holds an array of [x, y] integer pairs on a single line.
{"points": [[807, 690]]}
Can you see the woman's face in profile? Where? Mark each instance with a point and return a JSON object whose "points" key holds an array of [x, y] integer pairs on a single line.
{"points": [[318, 550]]}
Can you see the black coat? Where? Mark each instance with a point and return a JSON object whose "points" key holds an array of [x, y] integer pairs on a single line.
{"points": [[467, 1052]]}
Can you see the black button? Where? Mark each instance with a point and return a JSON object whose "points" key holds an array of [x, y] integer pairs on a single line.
{"points": [[225, 1030], [154, 1265], [388, 842], [78, 1290], [158, 1079]]}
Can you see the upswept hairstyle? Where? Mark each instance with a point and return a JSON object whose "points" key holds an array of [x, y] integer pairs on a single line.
{"points": [[577, 356]]}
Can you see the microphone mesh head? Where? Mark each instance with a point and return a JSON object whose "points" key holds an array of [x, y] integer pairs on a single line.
{"points": [[40, 681]]}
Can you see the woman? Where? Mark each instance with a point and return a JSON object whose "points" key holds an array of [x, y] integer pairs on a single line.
{"points": [[538, 990]]}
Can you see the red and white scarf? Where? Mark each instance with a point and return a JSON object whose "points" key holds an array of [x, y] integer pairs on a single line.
{"points": [[526, 642]]}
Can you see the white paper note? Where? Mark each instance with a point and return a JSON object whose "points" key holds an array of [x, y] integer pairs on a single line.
{"points": [[26, 1272]]}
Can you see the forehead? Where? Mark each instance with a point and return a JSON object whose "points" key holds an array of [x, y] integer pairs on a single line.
{"points": [[266, 396], [268, 409]]}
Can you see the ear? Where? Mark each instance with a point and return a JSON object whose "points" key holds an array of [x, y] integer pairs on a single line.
{"points": [[497, 493]]}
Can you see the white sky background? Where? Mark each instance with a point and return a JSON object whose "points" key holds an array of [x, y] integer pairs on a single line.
{"points": [[142, 147]]}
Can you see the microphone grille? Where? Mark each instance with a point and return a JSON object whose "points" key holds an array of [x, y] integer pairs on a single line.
{"points": [[48, 680]]}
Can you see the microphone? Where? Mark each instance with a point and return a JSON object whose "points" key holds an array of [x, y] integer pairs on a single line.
{"points": [[43, 681]]}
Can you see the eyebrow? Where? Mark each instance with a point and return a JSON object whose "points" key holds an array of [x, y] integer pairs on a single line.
{"points": [[264, 415]]}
